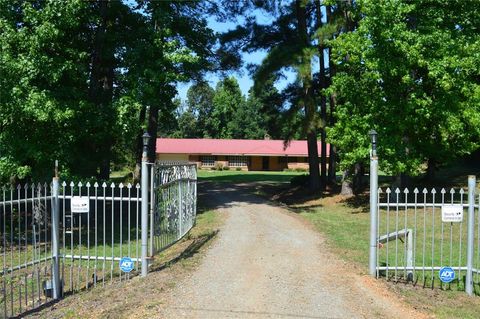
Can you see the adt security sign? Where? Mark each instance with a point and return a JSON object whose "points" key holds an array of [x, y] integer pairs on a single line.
{"points": [[126, 264], [447, 274]]}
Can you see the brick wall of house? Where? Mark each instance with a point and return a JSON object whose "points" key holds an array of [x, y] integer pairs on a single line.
{"points": [[275, 163]]}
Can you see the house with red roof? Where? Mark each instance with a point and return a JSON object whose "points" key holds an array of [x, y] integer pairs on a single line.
{"points": [[252, 155]]}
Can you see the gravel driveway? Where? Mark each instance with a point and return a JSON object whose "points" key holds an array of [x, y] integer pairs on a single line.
{"points": [[269, 263]]}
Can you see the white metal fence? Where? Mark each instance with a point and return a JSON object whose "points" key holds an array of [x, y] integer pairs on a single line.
{"points": [[417, 232], [50, 247]]}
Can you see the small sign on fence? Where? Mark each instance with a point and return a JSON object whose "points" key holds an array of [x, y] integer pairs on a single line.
{"points": [[126, 264], [80, 204], [452, 213], [446, 274]]}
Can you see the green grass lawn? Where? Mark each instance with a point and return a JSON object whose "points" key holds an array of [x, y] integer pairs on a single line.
{"points": [[233, 176]]}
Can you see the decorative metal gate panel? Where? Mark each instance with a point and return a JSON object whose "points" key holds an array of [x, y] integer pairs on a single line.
{"points": [[26, 248], [174, 196]]}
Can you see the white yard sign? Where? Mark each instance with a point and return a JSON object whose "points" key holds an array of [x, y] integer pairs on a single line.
{"points": [[80, 204], [452, 213]]}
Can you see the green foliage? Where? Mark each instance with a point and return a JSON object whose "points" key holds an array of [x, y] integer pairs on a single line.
{"points": [[220, 113], [228, 100], [248, 122], [196, 120], [411, 72], [80, 79], [43, 63]]}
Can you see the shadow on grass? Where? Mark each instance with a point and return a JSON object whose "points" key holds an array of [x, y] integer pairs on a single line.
{"points": [[38, 309], [245, 178], [360, 202]]}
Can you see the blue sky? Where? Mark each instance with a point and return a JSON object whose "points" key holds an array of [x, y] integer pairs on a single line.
{"points": [[243, 78]]}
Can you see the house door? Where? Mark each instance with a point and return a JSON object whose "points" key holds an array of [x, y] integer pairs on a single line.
{"points": [[265, 161]]}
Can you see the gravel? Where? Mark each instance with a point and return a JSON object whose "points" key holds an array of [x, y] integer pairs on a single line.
{"points": [[269, 263]]}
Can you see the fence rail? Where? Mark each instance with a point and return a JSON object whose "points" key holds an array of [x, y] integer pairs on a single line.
{"points": [[92, 240]]}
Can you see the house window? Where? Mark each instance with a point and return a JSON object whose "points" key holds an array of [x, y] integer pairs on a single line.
{"points": [[207, 160], [282, 159], [238, 161]]}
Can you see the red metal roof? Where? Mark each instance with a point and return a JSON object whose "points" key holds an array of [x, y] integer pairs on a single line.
{"points": [[232, 147]]}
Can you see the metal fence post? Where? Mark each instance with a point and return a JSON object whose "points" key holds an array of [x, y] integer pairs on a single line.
{"points": [[152, 201], [372, 261], [57, 287], [144, 187], [180, 208], [470, 234]]}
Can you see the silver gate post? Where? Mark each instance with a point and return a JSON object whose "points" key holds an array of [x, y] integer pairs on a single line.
{"points": [[470, 234], [180, 208], [372, 261], [57, 288], [152, 200], [144, 185]]}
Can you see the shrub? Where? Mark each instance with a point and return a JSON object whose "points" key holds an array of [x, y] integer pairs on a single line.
{"points": [[213, 168], [300, 169], [218, 166], [226, 168], [238, 168]]}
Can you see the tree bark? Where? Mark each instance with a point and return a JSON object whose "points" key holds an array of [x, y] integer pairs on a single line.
{"points": [[323, 103], [347, 186], [152, 129], [310, 112], [139, 143], [404, 181], [332, 160], [101, 85], [359, 172], [431, 168]]}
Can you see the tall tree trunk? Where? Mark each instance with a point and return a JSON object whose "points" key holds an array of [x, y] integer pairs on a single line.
{"points": [[332, 161], [347, 185], [152, 128], [310, 110], [101, 85], [139, 143], [358, 183], [401, 181], [323, 102], [431, 168]]}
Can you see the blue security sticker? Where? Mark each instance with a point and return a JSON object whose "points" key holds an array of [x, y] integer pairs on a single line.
{"points": [[126, 264], [447, 274]]}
